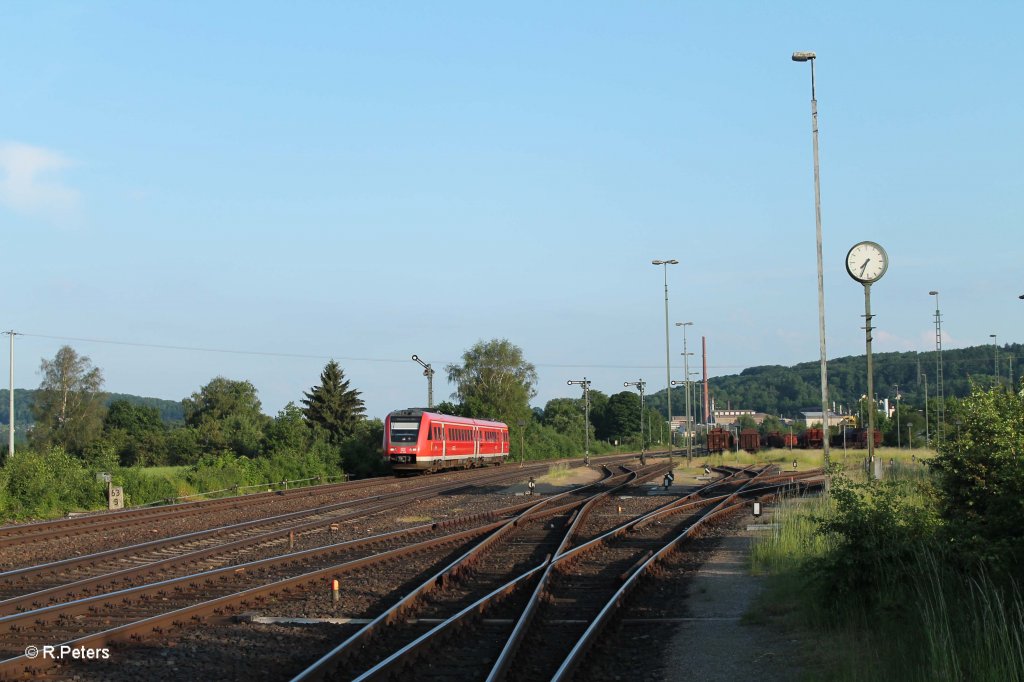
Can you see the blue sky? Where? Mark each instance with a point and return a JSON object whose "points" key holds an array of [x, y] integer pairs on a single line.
{"points": [[368, 181]]}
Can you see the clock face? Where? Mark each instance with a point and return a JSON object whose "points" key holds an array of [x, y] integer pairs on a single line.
{"points": [[867, 262]]}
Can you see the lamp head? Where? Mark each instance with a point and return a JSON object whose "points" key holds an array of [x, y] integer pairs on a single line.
{"points": [[803, 56], [933, 293]]}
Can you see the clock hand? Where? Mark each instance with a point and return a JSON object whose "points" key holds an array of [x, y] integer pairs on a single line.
{"points": [[864, 267]]}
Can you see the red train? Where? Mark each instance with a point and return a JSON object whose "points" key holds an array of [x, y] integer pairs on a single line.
{"points": [[418, 440]]}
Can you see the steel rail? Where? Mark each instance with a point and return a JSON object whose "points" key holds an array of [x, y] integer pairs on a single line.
{"points": [[137, 629], [10, 578], [589, 637], [19, 666], [33, 601], [323, 666], [104, 522], [408, 654], [501, 667], [102, 519]]}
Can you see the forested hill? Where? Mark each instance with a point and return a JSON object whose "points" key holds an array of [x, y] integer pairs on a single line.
{"points": [[785, 391], [171, 411]]}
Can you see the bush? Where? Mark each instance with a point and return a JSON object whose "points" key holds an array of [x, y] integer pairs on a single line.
{"points": [[53, 483], [874, 533], [982, 480]]}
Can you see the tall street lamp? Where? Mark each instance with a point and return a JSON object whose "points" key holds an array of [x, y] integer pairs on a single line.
{"points": [[686, 374], [940, 384], [810, 57], [668, 366]]}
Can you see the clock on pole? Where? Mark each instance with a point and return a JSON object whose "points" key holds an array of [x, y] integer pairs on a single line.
{"points": [[867, 262]]}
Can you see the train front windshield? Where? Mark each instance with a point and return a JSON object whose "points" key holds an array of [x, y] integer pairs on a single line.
{"points": [[404, 431]]}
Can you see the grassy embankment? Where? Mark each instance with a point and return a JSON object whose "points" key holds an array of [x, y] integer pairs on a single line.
{"points": [[922, 619]]}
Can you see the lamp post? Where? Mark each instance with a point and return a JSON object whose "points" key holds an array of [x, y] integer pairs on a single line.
{"points": [[668, 367], [640, 385], [995, 354], [940, 384], [586, 415], [686, 388], [810, 57], [428, 372]]}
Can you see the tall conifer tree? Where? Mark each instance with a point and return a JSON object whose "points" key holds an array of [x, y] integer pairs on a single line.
{"points": [[333, 406]]}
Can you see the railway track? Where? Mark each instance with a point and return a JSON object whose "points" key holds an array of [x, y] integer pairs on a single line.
{"points": [[568, 594], [80, 616], [521, 538], [38, 586]]}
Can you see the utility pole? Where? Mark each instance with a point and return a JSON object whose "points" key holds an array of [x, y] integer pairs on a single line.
{"points": [[927, 436], [10, 407], [898, 396]]}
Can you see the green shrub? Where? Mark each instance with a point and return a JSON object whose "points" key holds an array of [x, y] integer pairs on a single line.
{"points": [[143, 487], [48, 484], [874, 530]]}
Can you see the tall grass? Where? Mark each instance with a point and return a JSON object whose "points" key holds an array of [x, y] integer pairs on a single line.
{"points": [[973, 628], [921, 619], [793, 538]]}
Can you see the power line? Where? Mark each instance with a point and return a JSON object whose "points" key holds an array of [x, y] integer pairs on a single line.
{"points": [[307, 356]]}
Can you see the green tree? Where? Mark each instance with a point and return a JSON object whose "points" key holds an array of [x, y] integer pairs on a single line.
{"points": [[621, 416], [69, 403], [745, 421], [982, 477], [226, 415], [494, 381], [136, 433], [361, 452], [565, 415], [333, 407], [133, 418], [288, 431]]}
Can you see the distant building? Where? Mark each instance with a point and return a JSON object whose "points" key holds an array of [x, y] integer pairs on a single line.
{"points": [[725, 417], [814, 417]]}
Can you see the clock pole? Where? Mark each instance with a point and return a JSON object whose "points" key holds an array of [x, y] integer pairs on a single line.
{"points": [[867, 272], [874, 466]]}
